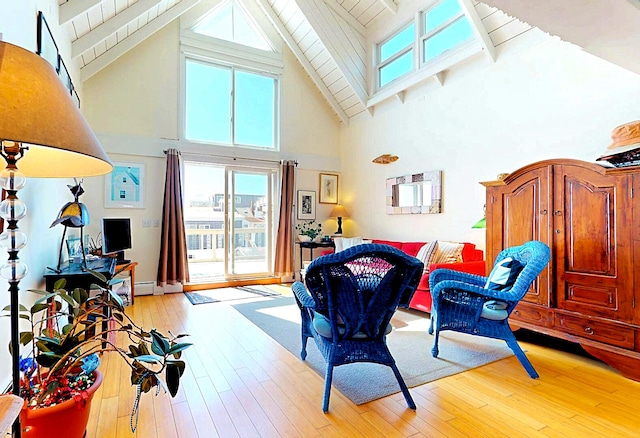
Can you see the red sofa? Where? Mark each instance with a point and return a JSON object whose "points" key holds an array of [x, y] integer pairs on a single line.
{"points": [[472, 263]]}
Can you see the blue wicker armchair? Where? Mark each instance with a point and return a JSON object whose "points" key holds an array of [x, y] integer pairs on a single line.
{"points": [[348, 302], [471, 304]]}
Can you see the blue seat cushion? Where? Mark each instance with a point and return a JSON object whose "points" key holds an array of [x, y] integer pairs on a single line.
{"points": [[322, 326], [494, 310]]}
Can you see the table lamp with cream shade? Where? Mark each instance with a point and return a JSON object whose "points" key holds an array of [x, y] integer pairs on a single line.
{"points": [[339, 211], [43, 130]]}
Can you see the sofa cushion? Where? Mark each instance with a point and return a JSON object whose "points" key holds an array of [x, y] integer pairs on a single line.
{"points": [[470, 253], [425, 253], [342, 243], [411, 248], [447, 252], [389, 242]]}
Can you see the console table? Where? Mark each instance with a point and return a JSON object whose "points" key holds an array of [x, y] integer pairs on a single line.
{"points": [[76, 276], [311, 246], [131, 268]]}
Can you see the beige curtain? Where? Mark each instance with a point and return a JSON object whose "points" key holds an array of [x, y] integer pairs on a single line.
{"points": [[173, 264], [284, 263]]}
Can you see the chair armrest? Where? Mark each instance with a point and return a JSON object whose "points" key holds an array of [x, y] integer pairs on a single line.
{"points": [[471, 288], [477, 267], [302, 295], [441, 274]]}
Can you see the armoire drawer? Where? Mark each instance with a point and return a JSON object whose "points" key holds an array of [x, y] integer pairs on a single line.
{"points": [[596, 330], [539, 316]]}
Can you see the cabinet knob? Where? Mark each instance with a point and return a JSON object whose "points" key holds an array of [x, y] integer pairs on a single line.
{"points": [[588, 330], [543, 212], [557, 231], [558, 213]]}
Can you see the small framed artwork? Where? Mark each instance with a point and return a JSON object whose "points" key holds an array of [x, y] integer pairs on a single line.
{"points": [[328, 188], [124, 186], [64, 75], [75, 97], [306, 204], [47, 47]]}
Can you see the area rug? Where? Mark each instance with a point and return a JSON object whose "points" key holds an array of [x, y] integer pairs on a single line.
{"points": [[409, 343], [230, 294]]}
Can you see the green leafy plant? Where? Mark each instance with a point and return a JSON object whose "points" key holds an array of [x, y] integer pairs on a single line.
{"points": [[69, 329], [309, 228]]}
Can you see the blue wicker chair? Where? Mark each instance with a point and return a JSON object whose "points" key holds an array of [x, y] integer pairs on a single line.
{"points": [[462, 303], [348, 302]]}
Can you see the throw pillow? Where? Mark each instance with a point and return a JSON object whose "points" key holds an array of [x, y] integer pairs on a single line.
{"points": [[504, 274], [342, 243], [426, 252], [447, 252]]}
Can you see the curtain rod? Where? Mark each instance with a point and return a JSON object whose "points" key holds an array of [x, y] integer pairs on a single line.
{"points": [[295, 162]]}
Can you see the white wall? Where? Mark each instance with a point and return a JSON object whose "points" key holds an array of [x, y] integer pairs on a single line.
{"points": [[43, 197], [550, 100], [133, 106]]}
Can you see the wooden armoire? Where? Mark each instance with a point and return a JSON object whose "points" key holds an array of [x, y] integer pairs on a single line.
{"points": [[589, 216]]}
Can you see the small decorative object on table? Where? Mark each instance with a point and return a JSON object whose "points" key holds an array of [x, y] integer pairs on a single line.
{"points": [[75, 215], [68, 329], [308, 231]]}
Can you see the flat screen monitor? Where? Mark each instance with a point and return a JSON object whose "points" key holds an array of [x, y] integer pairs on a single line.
{"points": [[116, 236]]}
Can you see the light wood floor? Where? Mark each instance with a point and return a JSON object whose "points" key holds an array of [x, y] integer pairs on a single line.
{"points": [[241, 383]]}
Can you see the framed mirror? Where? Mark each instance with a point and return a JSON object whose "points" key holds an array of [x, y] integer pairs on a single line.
{"points": [[418, 193]]}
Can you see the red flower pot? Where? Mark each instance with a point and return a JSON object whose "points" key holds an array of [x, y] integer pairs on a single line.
{"points": [[68, 419]]}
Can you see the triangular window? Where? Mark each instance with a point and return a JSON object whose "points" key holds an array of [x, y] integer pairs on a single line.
{"points": [[231, 23]]}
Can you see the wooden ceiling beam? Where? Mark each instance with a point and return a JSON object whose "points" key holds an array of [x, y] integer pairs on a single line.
{"points": [[111, 26], [139, 36], [74, 8], [390, 5], [293, 46]]}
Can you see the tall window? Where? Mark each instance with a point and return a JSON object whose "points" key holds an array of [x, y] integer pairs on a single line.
{"points": [[445, 26], [396, 55], [442, 27], [229, 105]]}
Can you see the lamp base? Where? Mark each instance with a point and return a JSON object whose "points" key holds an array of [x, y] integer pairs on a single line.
{"points": [[339, 232]]}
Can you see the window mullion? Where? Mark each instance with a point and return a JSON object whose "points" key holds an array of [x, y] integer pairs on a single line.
{"points": [[395, 56], [232, 102], [443, 26]]}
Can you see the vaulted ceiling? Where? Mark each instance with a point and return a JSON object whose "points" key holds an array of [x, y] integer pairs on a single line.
{"points": [[329, 37]]}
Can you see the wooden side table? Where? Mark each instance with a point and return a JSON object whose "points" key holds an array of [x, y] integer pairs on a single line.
{"points": [[131, 268], [311, 246]]}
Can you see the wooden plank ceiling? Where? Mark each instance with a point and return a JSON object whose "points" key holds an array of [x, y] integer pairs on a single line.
{"points": [[328, 37]]}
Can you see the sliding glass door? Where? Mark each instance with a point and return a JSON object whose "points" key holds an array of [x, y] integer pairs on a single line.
{"points": [[229, 221]]}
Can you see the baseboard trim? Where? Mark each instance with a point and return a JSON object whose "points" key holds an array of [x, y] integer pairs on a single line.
{"points": [[232, 283]]}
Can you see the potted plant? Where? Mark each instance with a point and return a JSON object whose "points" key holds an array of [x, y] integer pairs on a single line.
{"points": [[68, 331], [308, 231]]}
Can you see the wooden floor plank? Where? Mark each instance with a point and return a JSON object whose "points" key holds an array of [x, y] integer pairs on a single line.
{"points": [[241, 383]]}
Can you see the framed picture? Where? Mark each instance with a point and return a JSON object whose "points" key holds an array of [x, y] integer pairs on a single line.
{"points": [[64, 75], [47, 47], [328, 188], [75, 97], [306, 204], [124, 186]]}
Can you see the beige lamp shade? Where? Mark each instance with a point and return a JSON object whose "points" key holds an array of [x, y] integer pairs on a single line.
{"points": [[37, 110], [339, 211]]}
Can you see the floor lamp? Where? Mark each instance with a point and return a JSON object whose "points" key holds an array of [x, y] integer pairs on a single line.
{"points": [[42, 129]]}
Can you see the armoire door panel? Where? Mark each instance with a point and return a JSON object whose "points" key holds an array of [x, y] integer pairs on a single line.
{"points": [[524, 207], [589, 238], [590, 218]]}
